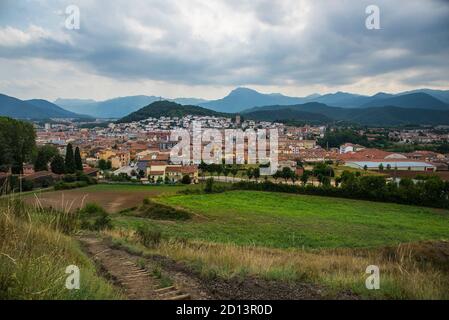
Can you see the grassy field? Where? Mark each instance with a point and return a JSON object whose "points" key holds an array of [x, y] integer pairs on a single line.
{"points": [[276, 236], [326, 241], [294, 221]]}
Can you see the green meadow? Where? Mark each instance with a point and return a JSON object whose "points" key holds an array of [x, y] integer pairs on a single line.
{"points": [[295, 221]]}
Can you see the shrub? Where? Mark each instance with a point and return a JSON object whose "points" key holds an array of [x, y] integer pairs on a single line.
{"points": [[27, 185], [94, 217], [102, 222], [157, 211], [69, 178], [149, 236], [70, 185], [186, 179], [208, 188]]}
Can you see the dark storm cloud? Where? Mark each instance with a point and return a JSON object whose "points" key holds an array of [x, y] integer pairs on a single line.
{"points": [[246, 42]]}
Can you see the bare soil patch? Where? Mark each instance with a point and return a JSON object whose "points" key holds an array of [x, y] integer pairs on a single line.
{"points": [[69, 200]]}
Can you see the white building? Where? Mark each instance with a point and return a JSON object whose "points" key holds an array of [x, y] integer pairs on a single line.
{"points": [[349, 147], [392, 165]]}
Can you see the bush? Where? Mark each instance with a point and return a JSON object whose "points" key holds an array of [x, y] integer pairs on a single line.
{"points": [[157, 211], [102, 222], [186, 179], [149, 236], [208, 188], [69, 178], [70, 185], [94, 217], [27, 185]]}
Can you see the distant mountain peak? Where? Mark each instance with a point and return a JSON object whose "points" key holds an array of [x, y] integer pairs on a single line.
{"points": [[243, 90]]}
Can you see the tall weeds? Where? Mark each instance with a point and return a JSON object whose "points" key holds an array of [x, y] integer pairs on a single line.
{"points": [[35, 250]]}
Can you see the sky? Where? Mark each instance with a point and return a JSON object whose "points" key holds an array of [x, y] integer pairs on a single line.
{"points": [[206, 48]]}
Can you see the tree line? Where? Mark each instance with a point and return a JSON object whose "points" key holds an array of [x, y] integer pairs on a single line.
{"points": [[59, 164], [430, 191]]}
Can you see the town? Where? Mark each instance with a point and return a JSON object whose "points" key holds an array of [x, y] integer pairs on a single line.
{"points": [[224, 151], [139, 152]]}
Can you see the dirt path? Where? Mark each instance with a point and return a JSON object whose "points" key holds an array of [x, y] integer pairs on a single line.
{"points": [[136, 276], [160, 278]]}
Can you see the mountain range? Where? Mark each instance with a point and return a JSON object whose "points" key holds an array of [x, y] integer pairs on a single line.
{"points": [[311, 112], [243, 100], [33, 109], [373, 116]]}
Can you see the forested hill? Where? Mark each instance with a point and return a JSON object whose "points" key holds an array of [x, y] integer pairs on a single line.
{"points": [[169, 109]]}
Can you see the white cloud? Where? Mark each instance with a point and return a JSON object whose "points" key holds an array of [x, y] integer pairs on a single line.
{"points": [[205, 47]]}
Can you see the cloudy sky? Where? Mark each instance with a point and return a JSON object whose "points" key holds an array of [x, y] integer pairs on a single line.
{"points": [[205, 48]]}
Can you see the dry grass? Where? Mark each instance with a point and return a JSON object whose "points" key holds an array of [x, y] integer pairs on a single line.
{"points": [[35, 250], [402, 274]]}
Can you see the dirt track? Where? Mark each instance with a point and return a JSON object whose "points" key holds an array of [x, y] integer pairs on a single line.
{"points": [[124, 269], [136, 279]]}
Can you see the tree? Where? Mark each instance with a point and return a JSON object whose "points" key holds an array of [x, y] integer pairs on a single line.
{"points": [[70, 166], [226, 172], [334, 139], [325, 181], [365, 167], [41, 162], [256, 173], [57, 165], [78, 161], [323, 169], [46, 152], [287, 173], [186, 179], [104, 165], [17, 144], [250, 173], [234, 172], [381, 167], [219, 169], [209, 187], [277, 175], [305, 177]]}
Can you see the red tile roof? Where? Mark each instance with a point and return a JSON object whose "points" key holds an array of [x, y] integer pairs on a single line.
{"points": [[156, 173], [184, 169]]}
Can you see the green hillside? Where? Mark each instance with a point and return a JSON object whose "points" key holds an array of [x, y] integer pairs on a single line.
{"points": [[169, 109]]}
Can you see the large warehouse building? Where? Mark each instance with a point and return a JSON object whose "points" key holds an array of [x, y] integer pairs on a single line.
{"points": [[393, 165]]}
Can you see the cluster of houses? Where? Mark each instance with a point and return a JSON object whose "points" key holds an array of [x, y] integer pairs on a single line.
{"points": [[155, 166], [141, 150]]}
